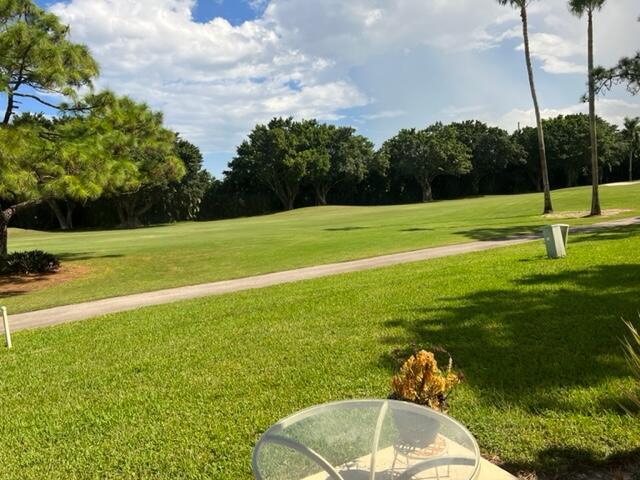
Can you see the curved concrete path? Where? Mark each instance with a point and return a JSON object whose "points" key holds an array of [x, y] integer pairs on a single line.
{"points": [[83, 311]]}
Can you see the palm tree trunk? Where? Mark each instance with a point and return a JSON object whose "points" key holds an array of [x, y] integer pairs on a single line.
{"points": [[595, 167], [548, 207]]}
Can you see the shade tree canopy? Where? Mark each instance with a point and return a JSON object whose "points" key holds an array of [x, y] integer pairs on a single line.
{"points": [[492, 150], [133, 136], [37, 59], [345, 157], [427, 154]]}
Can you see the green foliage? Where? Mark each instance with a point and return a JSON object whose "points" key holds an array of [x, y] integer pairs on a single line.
{"points": [[181, 200], [37, 57], [344, 157], [626, 71], [280, 154], [568, 149], [285, 155], [427, 154], [26, 263], [492, 150], [580, 7], [632, 352], [141, 150]]}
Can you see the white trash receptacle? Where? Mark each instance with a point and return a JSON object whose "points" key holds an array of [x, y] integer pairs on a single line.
{"points": [[555, 238]]}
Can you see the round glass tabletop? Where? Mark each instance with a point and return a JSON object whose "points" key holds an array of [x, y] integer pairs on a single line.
{"points": [[367, 440]]}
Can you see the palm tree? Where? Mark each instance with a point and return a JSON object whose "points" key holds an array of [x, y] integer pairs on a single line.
{"points": [[631, 133], [522, 6], [579, 8]]}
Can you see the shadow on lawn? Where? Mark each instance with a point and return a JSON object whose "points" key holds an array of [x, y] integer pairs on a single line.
{"points": [[562, 463], [344, 229], [595, 233], [85, 256], [501, 233], [523, 346]]}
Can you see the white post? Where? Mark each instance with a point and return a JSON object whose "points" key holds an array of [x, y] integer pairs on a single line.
{"points": [[5, 322]]}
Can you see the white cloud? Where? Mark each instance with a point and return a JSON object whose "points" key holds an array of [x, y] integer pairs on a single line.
{"points": [[559, 39], [383, 114], [614, 110], [214, 80]]}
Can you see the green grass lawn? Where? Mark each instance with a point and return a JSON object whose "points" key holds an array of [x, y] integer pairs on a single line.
{"points": [[129, 261], [185, 390]]}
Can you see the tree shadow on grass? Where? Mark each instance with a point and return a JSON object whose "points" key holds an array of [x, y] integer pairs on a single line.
{"points": [[527, 345], [344, 229], [85, 256], [563, 463], [589, 232], [417, 229], [501, 233]]}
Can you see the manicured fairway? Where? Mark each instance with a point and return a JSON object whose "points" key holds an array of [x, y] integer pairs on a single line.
{"points": [[129, 261], [185, 390]]}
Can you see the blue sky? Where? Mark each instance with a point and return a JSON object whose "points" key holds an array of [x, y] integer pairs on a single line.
{"points": [[217, 67]]}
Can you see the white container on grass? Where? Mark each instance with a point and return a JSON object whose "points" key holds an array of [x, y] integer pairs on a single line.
{"points": [[555, 239]]}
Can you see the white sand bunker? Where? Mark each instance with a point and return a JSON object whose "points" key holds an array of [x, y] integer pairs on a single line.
{"points": [[621, 184], [585, 213]]}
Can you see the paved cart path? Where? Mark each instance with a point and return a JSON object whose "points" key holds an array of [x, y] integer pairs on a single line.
{"points": [[83, 311]]}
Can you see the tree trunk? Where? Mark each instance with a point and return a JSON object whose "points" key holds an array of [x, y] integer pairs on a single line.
{"points": [[9, 111], [631, 166], [548, 207], [595, 169], [126, 207], [321, 195], [65, 218], [427, 192], [5, 217]]}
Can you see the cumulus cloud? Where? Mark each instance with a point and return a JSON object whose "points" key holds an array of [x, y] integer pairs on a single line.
{"points": [[559, 40], [614, 110], [215, 80]]}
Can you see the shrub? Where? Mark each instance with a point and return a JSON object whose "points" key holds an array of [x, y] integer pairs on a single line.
{"points": [[421, 381], [632, 351], [24, 263]]}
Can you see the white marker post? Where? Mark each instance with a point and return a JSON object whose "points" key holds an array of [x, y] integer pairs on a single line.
{"points": [[5, 321]]}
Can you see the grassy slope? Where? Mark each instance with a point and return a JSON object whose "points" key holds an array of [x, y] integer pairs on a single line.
{"points": [[184, 391], [123, 262]]}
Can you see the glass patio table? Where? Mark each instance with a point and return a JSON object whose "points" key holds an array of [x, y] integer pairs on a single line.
{"points": [[367, 440]]}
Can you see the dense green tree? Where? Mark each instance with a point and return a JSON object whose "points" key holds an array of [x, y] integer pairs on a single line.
{"points": [[522, 6], [131, 134], [51, 160], [492, 150], [569, 147], [579, 8], [181, 200], [427, 154], [279, 155], [37, 58], [631, 134], [345, 157]]}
